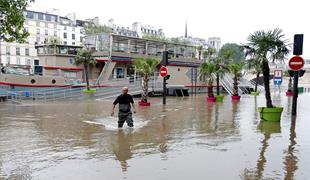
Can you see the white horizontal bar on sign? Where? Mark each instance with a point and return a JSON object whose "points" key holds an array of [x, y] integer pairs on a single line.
{"points": [[296, 63]]}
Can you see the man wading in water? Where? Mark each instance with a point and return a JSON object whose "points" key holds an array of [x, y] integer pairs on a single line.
{"points": [[125, 102]]}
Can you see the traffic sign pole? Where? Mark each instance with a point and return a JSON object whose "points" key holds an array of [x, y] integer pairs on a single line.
{"points": [[296, 63], [295, 95]]}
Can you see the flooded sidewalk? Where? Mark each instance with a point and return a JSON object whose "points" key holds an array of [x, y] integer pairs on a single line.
{"points": [[189, 138]]}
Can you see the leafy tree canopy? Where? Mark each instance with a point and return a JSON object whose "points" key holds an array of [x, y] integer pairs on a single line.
{"points": [[12, 20]]}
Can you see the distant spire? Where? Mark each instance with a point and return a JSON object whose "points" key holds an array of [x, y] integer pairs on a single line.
{"points": [[185, 29]]}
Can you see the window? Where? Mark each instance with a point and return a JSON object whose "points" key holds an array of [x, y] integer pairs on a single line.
{"points": [[46, 25], [38, 23], [73, 43], [55, 33], [81, 39], [38, 40], [17, 51], [73, 36], [46, 32], [27, 51], [40, 16], [28, 61], [69, 74], [30, 15], [18, 60], [36, 62], [48, 17], [8, 50], [8, 59], [65, 35], [65, 27], [73, 29], [65, 42], [38, 30]]}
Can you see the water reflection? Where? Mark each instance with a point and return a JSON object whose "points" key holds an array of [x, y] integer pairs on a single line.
{"points": [[291, 159], [267, 129], [122, 148]]}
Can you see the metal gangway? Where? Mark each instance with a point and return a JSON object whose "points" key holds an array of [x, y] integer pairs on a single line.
{"points": [[227, 82]]}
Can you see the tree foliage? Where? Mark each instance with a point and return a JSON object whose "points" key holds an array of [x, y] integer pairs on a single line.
{"points": [[265, 46], [146, 66], [98, 29], [85, 57], [12, 20], [236, 51]]}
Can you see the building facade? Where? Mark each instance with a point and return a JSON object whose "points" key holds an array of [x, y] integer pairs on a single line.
{"points": [[42, 26], [215, 42], [137, 30]]}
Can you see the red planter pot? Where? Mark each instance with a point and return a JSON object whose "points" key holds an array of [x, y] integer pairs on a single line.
{"points": [[144, 103], [235, 98], [289, 93], [211, 99]]}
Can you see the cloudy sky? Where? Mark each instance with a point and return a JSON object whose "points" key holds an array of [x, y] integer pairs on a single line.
{"points": [[232, 20]]}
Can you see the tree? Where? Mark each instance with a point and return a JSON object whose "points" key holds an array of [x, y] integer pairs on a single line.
{"points": [[267, 46], [236, 50], [85, 57], [221, 62], [98, 29], [236, 68], [146, 67], [51, 40], [255, 66], [12, 20], [206, 71], [209, 53]]}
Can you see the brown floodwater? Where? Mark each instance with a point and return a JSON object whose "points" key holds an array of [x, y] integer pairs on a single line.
{"points": [[187, 139]]}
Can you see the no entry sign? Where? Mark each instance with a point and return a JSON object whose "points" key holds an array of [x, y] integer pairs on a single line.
{"points": [[296, 63], [163, 71]]}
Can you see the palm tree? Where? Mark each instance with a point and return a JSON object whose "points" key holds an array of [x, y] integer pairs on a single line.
{"points": [[221, 66], [267, 45], [85, 57], [146, 67], [255, 66], [206, 71], [236, 68], [208, 53]]}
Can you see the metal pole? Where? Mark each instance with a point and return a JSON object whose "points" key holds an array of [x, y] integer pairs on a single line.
{"points": [[192, 80], [295, 90], [164, 90]]}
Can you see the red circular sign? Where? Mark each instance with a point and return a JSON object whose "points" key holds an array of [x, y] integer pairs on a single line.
{"points": [[296, 63], [163, 71]]}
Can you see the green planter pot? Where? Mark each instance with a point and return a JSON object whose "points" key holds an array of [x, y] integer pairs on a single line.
{"points": [[254, 93], [219, 98], [90, 91], [270, 114]]}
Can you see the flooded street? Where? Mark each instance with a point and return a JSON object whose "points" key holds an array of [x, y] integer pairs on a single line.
{"points": [[187, 139]]}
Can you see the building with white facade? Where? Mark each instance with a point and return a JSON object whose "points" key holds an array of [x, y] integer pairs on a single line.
{"points": [[215, 42], [42, 26], [137, 30]]}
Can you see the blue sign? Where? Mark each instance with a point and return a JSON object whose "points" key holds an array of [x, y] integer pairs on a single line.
{"points": [[71, 60], [277, 81]]}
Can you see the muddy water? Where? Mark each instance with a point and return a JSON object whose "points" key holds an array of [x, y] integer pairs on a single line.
{"points": [[188, 138]]}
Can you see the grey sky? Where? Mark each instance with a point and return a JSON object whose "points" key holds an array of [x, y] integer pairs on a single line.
{"points": [[232, 20]]}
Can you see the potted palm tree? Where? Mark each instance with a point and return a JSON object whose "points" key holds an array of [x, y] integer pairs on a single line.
{"points": [[235, 68], [85, 58], [269, 45], [206, 71], [146, 67], [224, 58]]}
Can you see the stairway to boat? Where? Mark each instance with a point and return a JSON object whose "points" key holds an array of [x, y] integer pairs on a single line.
{"points": [[106, 72]]}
